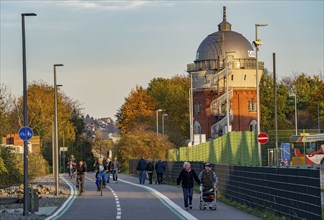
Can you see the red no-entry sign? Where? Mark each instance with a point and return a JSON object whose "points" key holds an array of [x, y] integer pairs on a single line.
{"points": [[263, 138]]}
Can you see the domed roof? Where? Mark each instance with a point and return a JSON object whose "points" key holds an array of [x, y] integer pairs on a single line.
{"points": [[224, 40]]}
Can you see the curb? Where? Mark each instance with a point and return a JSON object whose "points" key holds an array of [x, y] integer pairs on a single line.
{"points": [[66, 205]]}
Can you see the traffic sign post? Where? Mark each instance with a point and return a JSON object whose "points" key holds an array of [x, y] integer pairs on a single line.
{"points": [[263, 138], [25, 133]]}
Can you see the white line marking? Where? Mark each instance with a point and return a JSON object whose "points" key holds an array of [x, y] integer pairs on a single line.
{"points": [[168, 201], [118, 216], [72, 196]]}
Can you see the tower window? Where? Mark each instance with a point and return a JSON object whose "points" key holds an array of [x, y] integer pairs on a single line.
{"points": [[252, 106], [253, 125], [197, 128], [245, 77], [232, 77], [197, 107]]}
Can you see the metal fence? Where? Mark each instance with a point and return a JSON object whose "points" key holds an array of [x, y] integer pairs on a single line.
{"points": [[291, 192]]}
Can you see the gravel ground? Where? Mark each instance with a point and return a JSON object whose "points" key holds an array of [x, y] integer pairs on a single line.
{"points": [[11, 198]]}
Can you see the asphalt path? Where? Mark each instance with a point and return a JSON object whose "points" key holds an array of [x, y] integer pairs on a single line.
{"points": [[129, 200]]}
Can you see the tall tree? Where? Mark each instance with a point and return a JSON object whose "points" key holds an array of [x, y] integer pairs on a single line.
{"points": [[140, 142], [6, 106], [171, 95], [138, 109]]}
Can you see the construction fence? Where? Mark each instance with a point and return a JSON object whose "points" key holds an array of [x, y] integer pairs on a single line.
{"points": [[235, 148]]}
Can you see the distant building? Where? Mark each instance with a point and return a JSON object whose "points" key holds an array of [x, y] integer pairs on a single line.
{"points": [[13, 141], [222, 52]]}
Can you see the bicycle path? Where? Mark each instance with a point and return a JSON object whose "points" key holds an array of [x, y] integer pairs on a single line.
{"points": [[129, 200]]}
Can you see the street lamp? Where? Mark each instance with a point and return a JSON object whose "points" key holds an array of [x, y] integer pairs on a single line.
{"points": [[59, 157], [26, 195], [296, 124], [257, 43], [163, 115], [56, 131], [157, 120]]}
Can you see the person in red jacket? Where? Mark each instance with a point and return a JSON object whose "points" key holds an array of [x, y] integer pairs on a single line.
{"points": [[187, 177]]}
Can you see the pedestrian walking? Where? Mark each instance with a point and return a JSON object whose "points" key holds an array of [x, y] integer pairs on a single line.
{"points": [[108, 164], [71, 166], [115, 167], [141, 168], [160, 169], [187, 177], [150, 169], [208, 178]]}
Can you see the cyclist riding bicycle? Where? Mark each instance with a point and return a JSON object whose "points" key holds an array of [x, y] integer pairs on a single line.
{"points": [[81, 170], [100, 171], [71, 166]]}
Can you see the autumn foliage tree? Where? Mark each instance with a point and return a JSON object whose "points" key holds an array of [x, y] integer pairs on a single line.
{"points": [[141, 141], [138, 109]]}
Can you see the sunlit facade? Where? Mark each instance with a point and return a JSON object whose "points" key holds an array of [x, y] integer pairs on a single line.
{"points": [[224, 55]]}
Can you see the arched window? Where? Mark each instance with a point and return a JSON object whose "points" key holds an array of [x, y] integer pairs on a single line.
{"points": [[197, 128], [253, 125], [197, 107], [251, 106]]}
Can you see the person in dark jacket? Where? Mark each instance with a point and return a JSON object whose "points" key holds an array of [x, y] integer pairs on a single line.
{"points": [[187, 177], [141, 168], [160, 169], [81, 170], [115, 167], [108, 165], [150, 169]]}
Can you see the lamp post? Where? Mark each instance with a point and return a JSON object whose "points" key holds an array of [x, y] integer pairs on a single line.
{"points": [[296, 124], [26, 195], [56, 132], [163, 115], [157, 120], [257, 43], [59, 152]]}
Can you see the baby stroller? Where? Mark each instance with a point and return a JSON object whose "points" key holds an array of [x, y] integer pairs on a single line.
{"points": [[208, 199]]}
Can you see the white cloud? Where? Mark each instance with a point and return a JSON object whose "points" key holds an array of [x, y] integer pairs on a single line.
{"points": [[103, 5]]}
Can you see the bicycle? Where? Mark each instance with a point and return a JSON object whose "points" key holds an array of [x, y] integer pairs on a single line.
{"points": [[101, 185], [80, 184]]}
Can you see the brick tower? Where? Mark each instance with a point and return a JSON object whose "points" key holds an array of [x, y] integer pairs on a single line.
{"points": [[224, 72]]}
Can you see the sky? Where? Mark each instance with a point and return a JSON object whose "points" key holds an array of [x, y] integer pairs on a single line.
{"points": [[109, 47]]}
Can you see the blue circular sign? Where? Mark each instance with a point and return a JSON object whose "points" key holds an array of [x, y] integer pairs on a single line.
{"points": [[25, 133]]}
